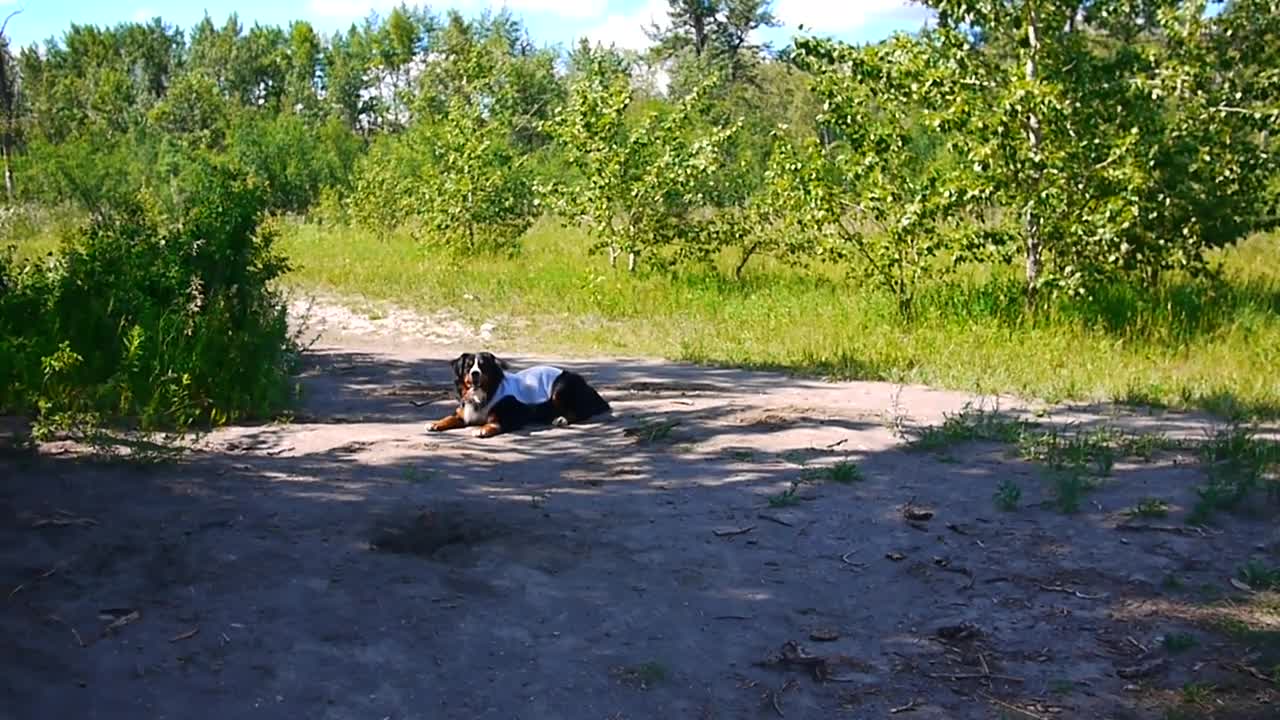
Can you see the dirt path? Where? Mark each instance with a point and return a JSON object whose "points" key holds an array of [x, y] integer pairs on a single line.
{"points": [[348, 565]]}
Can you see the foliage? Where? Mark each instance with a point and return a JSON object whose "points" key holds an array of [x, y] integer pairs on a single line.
{"points": [[888, 205], [159, 310], [640, 185]]}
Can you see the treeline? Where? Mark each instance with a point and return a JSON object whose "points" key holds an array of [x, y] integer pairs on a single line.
{"points": [[1087, 142], [1092, 138]]}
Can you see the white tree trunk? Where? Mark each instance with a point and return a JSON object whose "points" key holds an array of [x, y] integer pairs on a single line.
{"points": [[1035, 138]]}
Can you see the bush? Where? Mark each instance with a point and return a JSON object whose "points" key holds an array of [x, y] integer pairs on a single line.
{"points": [[159, 311]]}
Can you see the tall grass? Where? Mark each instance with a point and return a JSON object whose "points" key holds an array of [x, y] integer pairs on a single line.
{"points": [[1184, 343]]}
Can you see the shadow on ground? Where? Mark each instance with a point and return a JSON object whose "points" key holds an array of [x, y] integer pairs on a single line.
{"points": [[348, 564]]}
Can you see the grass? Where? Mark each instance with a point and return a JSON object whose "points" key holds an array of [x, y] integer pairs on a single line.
{"points": [[1239, 464], [1008, 495], [786, 498], [1179, 642], [1149, 508], [1260, 576], [843, 472], [1179, 345]]}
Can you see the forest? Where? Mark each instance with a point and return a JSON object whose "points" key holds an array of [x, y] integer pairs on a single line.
{"points": [[1066, 199]]}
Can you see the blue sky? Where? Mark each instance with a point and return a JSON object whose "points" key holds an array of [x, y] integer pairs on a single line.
{"points": [[549, 21]]}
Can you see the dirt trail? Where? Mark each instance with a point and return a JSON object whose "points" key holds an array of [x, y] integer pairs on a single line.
{"points": [[349, 565]]}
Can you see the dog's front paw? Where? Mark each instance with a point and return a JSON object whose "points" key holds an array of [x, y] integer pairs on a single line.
{"points": [[433, 427], [560, 422], [480, 433]]}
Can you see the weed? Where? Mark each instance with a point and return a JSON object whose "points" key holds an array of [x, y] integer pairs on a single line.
{"points": [[1062, 686], [1172, 582], [1197, 693], [1092, 452], [969, 425], [786, 498], [1149, 508], [843, 472], [1260, 576], [650, 432], [642, 676], [414, 474], [1069, 489], [1179, 642], [1008, 495]]}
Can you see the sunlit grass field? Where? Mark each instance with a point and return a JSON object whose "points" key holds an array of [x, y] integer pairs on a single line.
{"points": [[1182, 344]]}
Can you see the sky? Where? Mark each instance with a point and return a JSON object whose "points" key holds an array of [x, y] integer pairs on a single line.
{"points": [[549, 22]]}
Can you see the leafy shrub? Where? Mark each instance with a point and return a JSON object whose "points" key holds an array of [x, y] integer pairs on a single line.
{"points": [[159, 310], [456, 181]]}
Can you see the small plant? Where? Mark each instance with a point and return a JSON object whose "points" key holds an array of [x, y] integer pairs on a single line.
{"points": [[650, 432], [970, 425], [1259, 576], [1238, 462], [1069, 489], [1061, 686], [1197, 693], [1008, 495], [1172, 582], [1179, 642], [415, 474], [787, 497], [1091, 452], [642, 676], [843, 472], [1149, 508]]}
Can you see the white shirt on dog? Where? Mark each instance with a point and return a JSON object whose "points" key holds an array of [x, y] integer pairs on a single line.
{"points": [[531, 386]]}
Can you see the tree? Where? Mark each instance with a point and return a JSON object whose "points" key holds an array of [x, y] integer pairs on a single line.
{"points": [[1120, 151], [888, 202], [712, 36], [640, 186], [8, 105]]}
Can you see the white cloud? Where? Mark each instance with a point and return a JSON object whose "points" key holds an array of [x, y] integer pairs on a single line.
{"points": [[825, 16], [627, 30], [144, 14]]}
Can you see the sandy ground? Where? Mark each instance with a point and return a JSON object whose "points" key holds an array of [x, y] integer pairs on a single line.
{"points": [[349, 565]]}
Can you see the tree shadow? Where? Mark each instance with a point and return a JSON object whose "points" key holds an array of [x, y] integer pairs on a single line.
{"points": [[354, 564]]}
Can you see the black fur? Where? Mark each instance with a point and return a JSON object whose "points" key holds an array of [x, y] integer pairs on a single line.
{"points": [[572, 399]]}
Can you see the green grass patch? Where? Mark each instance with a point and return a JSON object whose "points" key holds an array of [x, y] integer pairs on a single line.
{"points": [[843, 472], [1182, 344]]}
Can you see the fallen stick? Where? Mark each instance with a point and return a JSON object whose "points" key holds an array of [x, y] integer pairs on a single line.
{"points": [[771, 518], [972, 676], [1069, 591], [731, 533], [905, 708], [845, 559], [1197, 531], [1014, 708]]}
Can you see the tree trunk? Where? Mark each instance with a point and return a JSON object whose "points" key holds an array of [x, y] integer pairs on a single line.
{"points": [[1031, 219], [8, 173]]}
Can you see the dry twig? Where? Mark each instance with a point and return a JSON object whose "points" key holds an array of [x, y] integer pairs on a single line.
{"points": [[1014, 708]]}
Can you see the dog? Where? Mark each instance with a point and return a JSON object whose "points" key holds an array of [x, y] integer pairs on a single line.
{"points": [[498, 401]]}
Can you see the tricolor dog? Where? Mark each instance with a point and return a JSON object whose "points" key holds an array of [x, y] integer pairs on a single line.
{"points": [[498, 401]]}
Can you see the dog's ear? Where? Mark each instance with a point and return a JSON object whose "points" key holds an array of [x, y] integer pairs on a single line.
{"points": [[460, 363]]}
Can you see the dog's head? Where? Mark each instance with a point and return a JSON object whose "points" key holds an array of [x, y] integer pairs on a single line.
{"points": [[476, 376]]}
